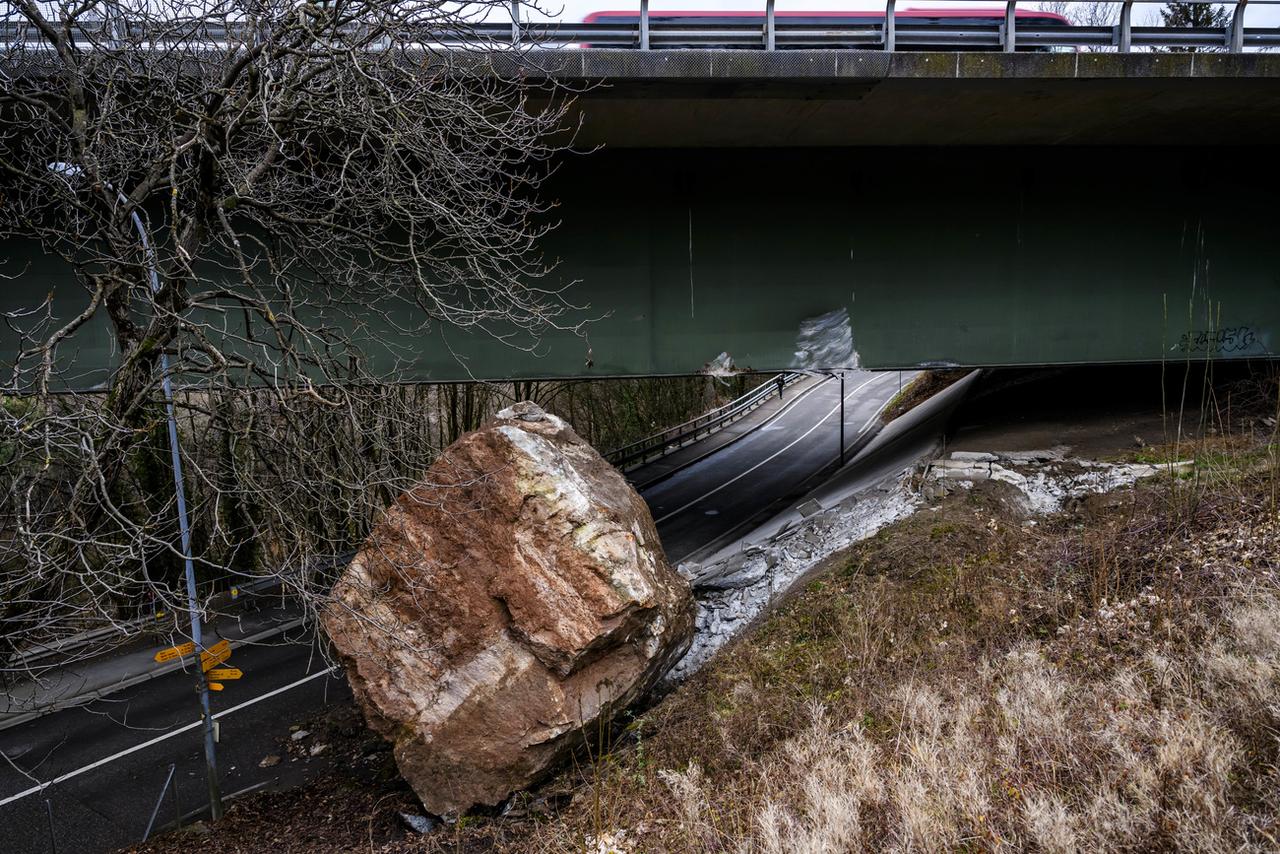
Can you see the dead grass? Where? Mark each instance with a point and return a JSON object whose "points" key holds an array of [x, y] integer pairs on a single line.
{"points": [[1108, 679], [968, 679], [925, 385]]}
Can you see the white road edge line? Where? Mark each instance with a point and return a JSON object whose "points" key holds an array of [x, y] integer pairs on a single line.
{"points": [[772, 456], [113, 757], [878, 412], [12, 720], [679, 470]]}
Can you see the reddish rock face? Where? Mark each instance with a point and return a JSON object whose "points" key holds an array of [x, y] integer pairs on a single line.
{"points": [[502, 607]]}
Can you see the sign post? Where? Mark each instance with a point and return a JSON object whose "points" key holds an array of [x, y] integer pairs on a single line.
{"points": [[215, 655]]}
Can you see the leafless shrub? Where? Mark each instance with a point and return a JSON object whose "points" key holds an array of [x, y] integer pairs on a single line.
{"points": [[1086, 14], [248, 195]]}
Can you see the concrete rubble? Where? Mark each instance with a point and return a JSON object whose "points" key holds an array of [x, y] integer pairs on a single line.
{"points": [[1047, 479], [733, 590]]}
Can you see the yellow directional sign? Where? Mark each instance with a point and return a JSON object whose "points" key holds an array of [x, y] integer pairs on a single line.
{"points": [[175, 652], [225, 674], [215, 686], [215, 655]]}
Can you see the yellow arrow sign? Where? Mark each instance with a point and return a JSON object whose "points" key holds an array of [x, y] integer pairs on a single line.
{"points": [[207, 664], [215, 686], [225, 674], [215, 656], [175, 652]]}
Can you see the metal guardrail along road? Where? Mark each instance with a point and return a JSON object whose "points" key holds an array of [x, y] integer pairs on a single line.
{"points": [[673, 438], [989, 28]]}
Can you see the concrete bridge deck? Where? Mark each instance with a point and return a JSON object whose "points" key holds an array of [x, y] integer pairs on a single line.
{"points": [[676, 98]]}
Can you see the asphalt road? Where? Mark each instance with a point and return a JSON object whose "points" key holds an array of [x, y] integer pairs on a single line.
{"points": [[109, 805], [109, 799], [725, 492]]}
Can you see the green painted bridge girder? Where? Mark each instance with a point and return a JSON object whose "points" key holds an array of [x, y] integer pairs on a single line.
{"points": [[993, 256], [912, 256]]}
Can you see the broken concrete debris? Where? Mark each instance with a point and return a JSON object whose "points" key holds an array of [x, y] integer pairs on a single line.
{"points": [[732, 590], [1046, 478]]}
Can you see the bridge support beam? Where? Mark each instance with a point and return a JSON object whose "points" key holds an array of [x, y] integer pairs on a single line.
{"points": [[885, 258]]}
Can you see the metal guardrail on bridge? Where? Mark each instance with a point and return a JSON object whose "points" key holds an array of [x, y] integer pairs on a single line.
{"points": [[768, 31], [674, 438], [1007, 34]]}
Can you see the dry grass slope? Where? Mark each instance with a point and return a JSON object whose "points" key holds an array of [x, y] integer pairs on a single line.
{"points": [[968, 679], [1108, 679]]}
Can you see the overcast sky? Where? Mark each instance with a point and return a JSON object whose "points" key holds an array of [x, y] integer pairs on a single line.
{"points": [[1144, 14]]}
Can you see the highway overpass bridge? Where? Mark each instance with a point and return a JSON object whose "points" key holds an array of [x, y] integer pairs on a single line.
{"points": [[809, 208]]}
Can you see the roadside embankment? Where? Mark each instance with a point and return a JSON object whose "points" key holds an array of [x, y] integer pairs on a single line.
{"points": [[1105, 677], [1102, 677], [1055, 650]]}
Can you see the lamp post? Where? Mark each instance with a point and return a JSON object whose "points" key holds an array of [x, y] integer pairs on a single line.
{"points": [[842, 419], [70, 171], [839, 375]]}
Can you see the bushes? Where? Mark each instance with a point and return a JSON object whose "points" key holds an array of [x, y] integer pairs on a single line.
{"points": [[280, 482]]}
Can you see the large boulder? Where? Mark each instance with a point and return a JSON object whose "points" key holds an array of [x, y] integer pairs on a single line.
{"points": [[503, 607]]}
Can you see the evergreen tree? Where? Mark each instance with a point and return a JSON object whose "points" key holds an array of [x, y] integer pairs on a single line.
{"points": [[1194, 15]]}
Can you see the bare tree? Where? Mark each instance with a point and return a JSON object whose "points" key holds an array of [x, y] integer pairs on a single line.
{"points": [[245, 193], [1086, 14]]}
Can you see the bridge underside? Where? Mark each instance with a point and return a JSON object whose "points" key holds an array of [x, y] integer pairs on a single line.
{"points": [[966, 256], [1123, 221], [902, 256]]}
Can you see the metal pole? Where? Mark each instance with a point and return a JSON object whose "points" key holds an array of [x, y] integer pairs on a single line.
{"points": [[515, 22], [1010, 26], [1126, 26], [644, 24], [177, 807], [842, 419], [890, 28], [210, 752], [69, 171], [1235, 41], [770, 30], [146, 834]]}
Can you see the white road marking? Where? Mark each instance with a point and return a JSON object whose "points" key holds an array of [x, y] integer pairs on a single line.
{"points": [[767, 427], [113, 757], [772, 456], [881, 410]]}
